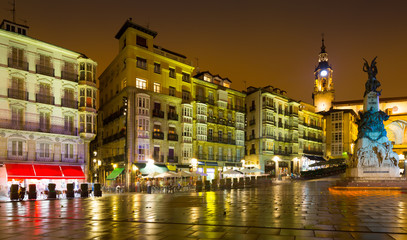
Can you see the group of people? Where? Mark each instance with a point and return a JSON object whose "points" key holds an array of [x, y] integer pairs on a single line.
{"points": [[162, 185]]}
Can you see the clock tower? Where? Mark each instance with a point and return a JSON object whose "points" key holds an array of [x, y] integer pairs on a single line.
{"points": [[324, 92]]}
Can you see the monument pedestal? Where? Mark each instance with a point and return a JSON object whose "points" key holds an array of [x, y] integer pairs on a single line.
{"points": [[373, 173]]}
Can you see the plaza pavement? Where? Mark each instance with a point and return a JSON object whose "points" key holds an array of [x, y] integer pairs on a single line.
{"points": [[288, 210]]}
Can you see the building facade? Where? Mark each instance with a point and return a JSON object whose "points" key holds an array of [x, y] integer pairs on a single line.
{"points": [[146, 106], [281, 132], [48, 109], [219, 122]]}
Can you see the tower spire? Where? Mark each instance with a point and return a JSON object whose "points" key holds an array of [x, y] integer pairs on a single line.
{"points": [[323, 44]]}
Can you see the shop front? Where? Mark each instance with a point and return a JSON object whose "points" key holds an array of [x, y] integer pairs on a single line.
{"points": [[40, 175], [209, 168]]}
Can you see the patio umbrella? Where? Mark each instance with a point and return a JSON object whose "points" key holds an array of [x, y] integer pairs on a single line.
{"points": [[167, 175], [153, 174], [255, 170], [245, 170], [183, 174], [198, 174], [231, 172]]}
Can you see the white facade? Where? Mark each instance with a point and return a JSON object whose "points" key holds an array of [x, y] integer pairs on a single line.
{"points": [[40, 120]]}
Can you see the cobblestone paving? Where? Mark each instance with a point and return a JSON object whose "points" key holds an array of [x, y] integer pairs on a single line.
{"points": [[294, 210]]}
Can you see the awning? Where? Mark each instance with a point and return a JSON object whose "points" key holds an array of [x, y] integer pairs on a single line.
{"points": [[172, 167], [42, 171], [315, 158], [72, 172], [211, 164], [48, 171], [25, 171], [116, 172], [154, 168]]}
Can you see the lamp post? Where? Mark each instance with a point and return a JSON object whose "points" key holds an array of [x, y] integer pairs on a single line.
{"points": [[194, 164], [126, 164]]}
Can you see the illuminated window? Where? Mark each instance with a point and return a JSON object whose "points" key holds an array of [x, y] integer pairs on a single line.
{"points": [[141, 63], [143, 127], [143, 105], [206, 78], [157, 68], [172, 73], [157, 87], [141, 83]]}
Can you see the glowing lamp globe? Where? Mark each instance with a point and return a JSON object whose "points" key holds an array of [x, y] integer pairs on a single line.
{"points": [[324, 73]]}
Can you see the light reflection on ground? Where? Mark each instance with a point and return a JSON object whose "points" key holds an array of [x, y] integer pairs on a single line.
{"points": [[291, 209]]}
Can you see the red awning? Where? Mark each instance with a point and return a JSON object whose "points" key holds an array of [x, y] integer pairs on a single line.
{"points": [[15, 171], [41, 171], [72, 172], [48, 171]]}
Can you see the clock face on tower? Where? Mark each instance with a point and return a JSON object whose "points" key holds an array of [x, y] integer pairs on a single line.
{"points": [[324, 73]]}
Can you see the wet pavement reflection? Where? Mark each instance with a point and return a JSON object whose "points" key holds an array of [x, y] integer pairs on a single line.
{"points": [[290, 210]]}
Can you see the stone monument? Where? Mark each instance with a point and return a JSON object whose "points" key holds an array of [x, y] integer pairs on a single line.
{"points": [[374, 157]]}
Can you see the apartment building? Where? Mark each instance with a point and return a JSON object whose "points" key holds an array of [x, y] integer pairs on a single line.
{"points": [[146, 109], [219, 121], [48, 109], [281, 132]]}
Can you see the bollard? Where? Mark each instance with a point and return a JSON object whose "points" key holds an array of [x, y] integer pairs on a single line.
{"points": [[198, 186], [207, 185], [14, 192], [97, 191], [222, 184], [32, 191], [84, 190], [52, 194], [69, 191], [228, 183]]}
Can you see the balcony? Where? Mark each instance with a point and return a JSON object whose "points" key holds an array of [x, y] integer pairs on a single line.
{"points": [[240, 109], [252, 122], [268, 106], [231, 123], [293, 114], [71, 76], [252, 108], [283, 153], [222, 121], [201, 99], [158, 158], [113, 116], [36, 127], [46, 99], [251, 137], [69, 158], [18, 64], [45, 70], [44, 156], [172, 159], [17, 155], [172, 137], [268, 136], [158, 135], [17, 94], [212, 120], [158, 113], [114, 137], [268, 121], [172, 116], [211, 101], [280, 125], [69, 103], [252, 151], [212, 139]]}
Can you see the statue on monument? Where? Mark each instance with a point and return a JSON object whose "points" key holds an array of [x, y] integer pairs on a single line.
{"points": [[372, 83], [373, 149]]}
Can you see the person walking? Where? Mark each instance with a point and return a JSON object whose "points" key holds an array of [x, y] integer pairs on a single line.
{"points": [[149, 186]]}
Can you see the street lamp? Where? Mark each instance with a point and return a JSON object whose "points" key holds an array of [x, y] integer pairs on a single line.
{"points": [[194, 164]]}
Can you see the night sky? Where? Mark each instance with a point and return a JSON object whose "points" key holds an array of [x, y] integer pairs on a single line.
{"points": [[261, 42]]}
